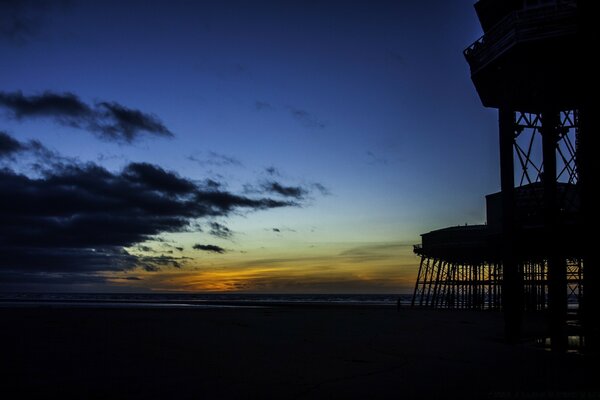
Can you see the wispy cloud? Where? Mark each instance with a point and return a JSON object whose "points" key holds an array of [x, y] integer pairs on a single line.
{"points": [[220, 230], [211, 248], [296, 192], [373, 159], [321, 188], [272, 171], [214, 159], [109, 121], [305, 118], [281, 230]]}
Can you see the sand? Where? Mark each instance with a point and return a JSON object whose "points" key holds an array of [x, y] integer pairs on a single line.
{"points": [[297, 352]]}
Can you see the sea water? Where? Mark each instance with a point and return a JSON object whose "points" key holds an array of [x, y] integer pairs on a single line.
{"points": [[199, 300]]}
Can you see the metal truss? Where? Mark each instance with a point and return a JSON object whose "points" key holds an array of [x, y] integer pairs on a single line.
{"points": [[528, 147], [447, 284], [574, 281]]}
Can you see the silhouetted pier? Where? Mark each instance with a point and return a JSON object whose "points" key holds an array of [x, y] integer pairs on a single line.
{"points": [[534, 253]]}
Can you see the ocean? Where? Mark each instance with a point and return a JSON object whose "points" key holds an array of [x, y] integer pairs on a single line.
{"points": [[198, 300]]}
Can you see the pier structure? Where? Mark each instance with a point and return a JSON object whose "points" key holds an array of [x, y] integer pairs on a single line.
{"points": [[533, 254]]}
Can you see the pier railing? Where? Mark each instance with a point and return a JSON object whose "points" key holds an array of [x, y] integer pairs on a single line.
{"points": [[522, 26]]}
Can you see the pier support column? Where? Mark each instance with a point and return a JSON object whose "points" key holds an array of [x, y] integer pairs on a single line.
{"points": [[511, 282], [557, 264], [587, 167]]}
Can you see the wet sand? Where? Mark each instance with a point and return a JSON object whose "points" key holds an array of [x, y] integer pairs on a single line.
{"points": [[296, 352]]}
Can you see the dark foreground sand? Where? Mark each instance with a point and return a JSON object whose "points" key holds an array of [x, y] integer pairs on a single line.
{"points": [[282, 352]]}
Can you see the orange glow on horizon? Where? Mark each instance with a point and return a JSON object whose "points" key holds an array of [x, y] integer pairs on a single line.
{"points": [[365, 269]]}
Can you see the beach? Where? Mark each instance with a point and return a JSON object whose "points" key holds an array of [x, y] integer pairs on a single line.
{"points": [[280, 352]]}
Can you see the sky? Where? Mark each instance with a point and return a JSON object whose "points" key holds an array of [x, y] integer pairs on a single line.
{"points": [[253, 146]]}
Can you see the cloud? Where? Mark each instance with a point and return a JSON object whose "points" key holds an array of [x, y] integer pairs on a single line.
{"points": [[282, 229], [120, 123], [273, 187], [9, 146], [215, 160], [156, 263], [220, 231], [272, 171], [107, 120], [157, 178], [146, 249], [80, 217], [321, 188], [211, 248], [305, 118], [296, 192], [65, 106]]}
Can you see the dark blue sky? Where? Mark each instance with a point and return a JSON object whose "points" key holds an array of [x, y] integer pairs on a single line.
{"points": [[367, 108]]}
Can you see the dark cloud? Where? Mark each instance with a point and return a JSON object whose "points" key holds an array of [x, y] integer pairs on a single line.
{"points": [[36, 281], [157, 178], [209, 247], [296, 192], [156, 263], [120, 123], [75, 218], [211, 184], [65, 106], [107, 120], [220, 230], [305, 118], [146, 249], [9, 145], [282, 230]]}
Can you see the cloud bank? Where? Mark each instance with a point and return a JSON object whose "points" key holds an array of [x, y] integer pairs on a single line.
{"points": [[78, 218]]}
